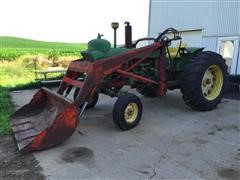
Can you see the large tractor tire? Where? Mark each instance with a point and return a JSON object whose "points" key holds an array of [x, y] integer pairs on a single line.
{"points": [[204, 81], [127, 111], [93, 100]]}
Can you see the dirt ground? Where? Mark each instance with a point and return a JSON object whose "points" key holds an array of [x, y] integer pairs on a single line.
{"points": [[14, 165], [193, 146]]}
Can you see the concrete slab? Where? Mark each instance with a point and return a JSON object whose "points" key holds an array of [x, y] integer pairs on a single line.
{"points": [[171, 142]]}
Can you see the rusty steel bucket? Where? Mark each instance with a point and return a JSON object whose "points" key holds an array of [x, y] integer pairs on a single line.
{"points": [[47, 120]]}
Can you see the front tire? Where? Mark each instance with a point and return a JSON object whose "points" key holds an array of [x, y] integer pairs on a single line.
{"points": [[204, 81], [93, 100], [127, 111]]}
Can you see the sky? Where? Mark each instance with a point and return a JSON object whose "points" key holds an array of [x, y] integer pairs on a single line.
{"points": [[72, 20]]}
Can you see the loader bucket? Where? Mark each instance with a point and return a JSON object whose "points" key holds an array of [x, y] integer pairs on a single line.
{"points": [[48, 120]]}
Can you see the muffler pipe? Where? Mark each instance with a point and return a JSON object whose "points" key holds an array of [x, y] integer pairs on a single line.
{"points": [[128, 35]]}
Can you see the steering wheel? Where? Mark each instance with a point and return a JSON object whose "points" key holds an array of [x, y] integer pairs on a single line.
{"points": [[143, 39], [162, 36]]}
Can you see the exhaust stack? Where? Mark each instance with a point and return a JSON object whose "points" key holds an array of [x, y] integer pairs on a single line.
{"points": [[128, 35]]}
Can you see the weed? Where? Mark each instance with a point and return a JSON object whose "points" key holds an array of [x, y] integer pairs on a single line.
{"points": [[6, 109]]}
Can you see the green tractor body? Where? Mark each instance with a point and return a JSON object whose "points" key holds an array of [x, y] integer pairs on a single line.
{"points": [[200, 75], [175, 61], [101, 48]]}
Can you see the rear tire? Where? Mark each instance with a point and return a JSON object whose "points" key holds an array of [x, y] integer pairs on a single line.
{"points": [[204, 81], [92, 102], [127, 111], [148, 91]]}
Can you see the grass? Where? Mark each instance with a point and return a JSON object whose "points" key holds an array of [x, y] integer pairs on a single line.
{"points": [[6, 109], [14, 73], [18, 58], [14, 42]]}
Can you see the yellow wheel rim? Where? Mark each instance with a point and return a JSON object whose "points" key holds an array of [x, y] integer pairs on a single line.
{"points": [[131, 112], [212, 82]]}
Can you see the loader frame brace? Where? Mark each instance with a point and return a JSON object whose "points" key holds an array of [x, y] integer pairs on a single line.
{"points": [[98, 70]]}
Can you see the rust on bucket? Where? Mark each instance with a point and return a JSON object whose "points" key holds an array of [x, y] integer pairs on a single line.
{"points": [[48, 120]]}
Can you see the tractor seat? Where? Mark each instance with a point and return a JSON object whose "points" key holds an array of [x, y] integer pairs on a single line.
{"points": [[173, 50]]}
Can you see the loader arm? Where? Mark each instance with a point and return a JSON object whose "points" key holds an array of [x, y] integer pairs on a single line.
{"points": [[98, 70]]}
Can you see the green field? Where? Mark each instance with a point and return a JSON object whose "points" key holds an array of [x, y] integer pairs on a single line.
{"points": [[12, 48], [13, 42], [18, 58]]}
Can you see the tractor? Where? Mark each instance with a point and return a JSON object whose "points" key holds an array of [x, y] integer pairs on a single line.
{"points": [[51, 117]]}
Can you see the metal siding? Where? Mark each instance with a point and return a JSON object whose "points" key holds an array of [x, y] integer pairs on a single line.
{"points": [[192, 39], [217, 18], [228, 19], [210, 43]]}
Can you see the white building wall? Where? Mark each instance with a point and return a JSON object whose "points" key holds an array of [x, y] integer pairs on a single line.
{"points": [[216, 18], [209, 43]]}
